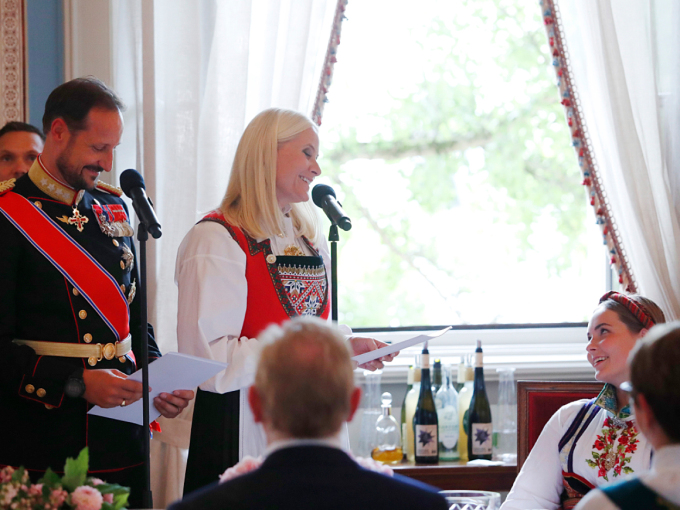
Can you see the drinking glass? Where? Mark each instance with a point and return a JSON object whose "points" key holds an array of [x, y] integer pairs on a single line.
{"points": [[472, 500], [505, 427]]}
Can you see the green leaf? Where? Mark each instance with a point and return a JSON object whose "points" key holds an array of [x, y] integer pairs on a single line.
{"points": [[120, 500], [591, 463], [595, 455], [75, 471], [627, 470], [112, 488], [50, 479], [18, 475]]}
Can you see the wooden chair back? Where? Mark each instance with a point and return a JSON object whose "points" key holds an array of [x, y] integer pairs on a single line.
{"points": [[537, 401]]}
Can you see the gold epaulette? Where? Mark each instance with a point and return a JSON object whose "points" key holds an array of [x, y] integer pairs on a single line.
{"points": [[109, 188], [7, 185]]}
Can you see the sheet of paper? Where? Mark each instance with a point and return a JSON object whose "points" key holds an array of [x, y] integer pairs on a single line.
{"points": [[384, 351], [173, 371]]}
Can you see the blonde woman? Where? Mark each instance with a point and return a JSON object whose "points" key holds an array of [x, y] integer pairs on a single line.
{"points": [[258, 259]]}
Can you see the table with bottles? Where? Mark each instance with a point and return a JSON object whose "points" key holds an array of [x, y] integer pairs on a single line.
{"points": [[435, 415]]}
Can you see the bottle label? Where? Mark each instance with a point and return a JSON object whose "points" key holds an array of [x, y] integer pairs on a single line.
{"points": [[426, 441], [482, 440], [479, 357], [448, 427]]}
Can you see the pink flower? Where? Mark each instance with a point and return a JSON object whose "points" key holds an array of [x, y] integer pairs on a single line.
{"points": [[96, 481], [9, 492], [58, 497], [374, 465], [246, 465], [86, 498], [35, 490], [6, 474]]}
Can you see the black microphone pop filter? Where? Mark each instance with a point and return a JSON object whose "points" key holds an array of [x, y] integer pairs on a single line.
{"points": [[130, 179], [319, 192]]}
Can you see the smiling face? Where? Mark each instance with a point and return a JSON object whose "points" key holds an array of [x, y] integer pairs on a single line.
{"points": [[86, 153], [609, 343], [296, 168], [18, 150]]}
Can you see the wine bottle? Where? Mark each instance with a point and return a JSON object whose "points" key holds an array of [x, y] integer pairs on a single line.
{"points": [[460, 377], [446, 401], [464, 398], [425, 426], [409, 385], [436, 376], [411, 402], [480, 430]]}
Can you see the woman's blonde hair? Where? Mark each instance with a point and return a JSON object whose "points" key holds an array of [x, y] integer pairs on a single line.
{"points": [[250, 201]]}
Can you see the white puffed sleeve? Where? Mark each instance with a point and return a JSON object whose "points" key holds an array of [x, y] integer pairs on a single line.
{"points": [[539, 483], [210, 276]]}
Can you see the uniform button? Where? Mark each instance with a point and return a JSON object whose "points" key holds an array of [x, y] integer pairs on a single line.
{"points": [[122, 288], [82, 314], [47, 406], [116, 243], [92, 360], [75, 292], [29, 388], [122, 265], [41, 392], [271, 258], [87, 338], [122, 359], [38, 204]]}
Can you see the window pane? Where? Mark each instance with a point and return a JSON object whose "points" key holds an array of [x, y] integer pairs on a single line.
{"points": [[447, 146]]}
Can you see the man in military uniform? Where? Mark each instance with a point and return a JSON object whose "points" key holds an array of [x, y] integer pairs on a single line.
{"points": [[69, 323]]}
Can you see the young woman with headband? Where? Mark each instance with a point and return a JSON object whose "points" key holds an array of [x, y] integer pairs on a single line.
{"points": [[589, 443]]}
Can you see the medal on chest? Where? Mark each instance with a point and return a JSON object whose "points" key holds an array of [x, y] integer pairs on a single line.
{"points": [[113, 220], [76, 219]]}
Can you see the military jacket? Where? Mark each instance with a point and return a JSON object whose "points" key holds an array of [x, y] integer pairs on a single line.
{"points": [[40, 425]]}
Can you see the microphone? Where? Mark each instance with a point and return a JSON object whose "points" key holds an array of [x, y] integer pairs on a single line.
{"points": [[133, 186], [324, 197]]}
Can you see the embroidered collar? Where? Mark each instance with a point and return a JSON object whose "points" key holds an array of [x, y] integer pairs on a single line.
{"points": [[607, 400], [49, 184]]}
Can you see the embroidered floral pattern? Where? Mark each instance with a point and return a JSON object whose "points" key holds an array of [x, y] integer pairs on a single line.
{"points": [[613, 449]]}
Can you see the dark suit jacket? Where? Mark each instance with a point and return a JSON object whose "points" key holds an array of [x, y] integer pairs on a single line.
{"points": [[314, 477]]}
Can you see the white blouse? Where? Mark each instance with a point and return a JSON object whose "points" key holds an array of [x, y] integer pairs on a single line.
{"points": [[539, 483], [213, 291]]}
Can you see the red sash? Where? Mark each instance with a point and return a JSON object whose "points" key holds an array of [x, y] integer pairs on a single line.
{"points": [[97, 286]]}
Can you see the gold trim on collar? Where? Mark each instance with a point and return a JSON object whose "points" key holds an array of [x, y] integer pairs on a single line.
{"points": [[49, 185]]}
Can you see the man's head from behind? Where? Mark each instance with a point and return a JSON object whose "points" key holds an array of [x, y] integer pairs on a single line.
{"points": [[655, 381], [20, 144], [304, 384]]}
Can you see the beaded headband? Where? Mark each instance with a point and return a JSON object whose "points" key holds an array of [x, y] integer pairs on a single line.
{"points": [[633, 306]]}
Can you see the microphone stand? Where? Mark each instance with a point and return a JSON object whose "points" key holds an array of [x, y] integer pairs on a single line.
{"points": [[333, 237], [142, 237]]}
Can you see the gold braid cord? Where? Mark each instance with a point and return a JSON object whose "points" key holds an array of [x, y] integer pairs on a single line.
{"points": [[329, 62], [582, 145]]}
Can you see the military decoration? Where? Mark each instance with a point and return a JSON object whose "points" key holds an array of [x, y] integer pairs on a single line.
{"points": [[128, 259], [76, 218], [7, 185], [131, 292], [113, 220]]}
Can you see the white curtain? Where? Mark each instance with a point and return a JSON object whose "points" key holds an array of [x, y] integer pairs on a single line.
{"points": [[193, 74], [624, 57]]}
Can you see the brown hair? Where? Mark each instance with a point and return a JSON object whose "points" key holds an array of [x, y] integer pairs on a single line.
{"points": [[655, 373], [628, 318], [73, 100], [305, 378]]}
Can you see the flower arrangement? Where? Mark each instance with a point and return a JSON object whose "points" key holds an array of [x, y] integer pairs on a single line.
{"points": [[52, 492], [248, 464]]}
